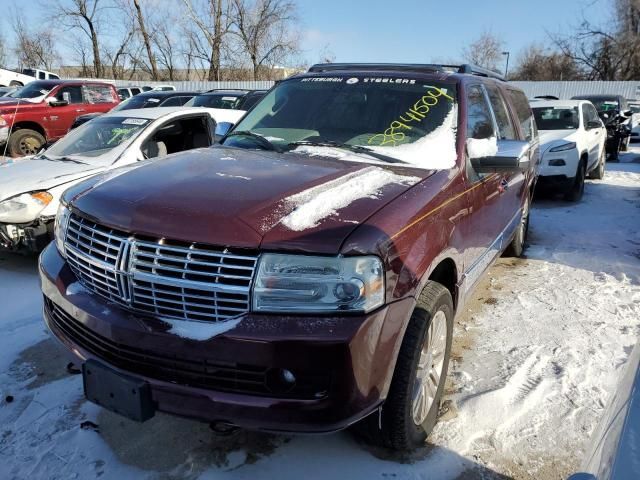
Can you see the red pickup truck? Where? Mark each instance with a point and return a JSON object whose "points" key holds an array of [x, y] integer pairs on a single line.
{"points": [[43, 111]]}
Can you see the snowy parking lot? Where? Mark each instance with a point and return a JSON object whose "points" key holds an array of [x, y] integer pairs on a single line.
{"points": [[537, 355]]}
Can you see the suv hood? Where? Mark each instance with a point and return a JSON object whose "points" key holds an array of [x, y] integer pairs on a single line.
{"points": [[30, 175], [247, 198], [549, 138]]}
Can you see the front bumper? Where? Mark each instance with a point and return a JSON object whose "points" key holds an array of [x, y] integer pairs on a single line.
{"points": [[27, 238], [343, 364], [568, 167]]}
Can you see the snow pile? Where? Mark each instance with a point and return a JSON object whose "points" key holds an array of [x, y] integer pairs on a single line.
{"points": [[317, 203], [435, 151], [199, 330], [482, 147]]}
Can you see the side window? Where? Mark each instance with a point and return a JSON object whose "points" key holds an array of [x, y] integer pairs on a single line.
{"points": [[593, 114], [479, 121], [505, 127], [41, 75], [54, 76], [177, 136], [72, 94], [525, 115], [97, 94], [175, 101], [135, 91], [586, 116]]}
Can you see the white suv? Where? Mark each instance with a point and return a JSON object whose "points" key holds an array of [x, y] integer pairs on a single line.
{"points": [[572, 144]]}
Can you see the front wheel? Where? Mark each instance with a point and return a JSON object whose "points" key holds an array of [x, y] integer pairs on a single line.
{"points": [[411, 409], [517, 245], [598, 172], [25, 142], [576, 190]]}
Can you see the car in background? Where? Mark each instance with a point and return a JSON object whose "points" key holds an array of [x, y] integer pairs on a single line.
{"points": [[614, 112], [42, 111], [232, 99], [303, 275], [30, 189], [613, 453], [152, 99], [634, 106], [128, 92], [9, 78], [572, 145], [158, 88], [7, 90]]}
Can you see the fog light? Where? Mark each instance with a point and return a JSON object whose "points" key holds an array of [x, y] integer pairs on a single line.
{"points": [[280, 380], [557, 162]]}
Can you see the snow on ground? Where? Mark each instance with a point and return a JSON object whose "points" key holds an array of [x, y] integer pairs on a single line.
{"points": [[537, 355]]}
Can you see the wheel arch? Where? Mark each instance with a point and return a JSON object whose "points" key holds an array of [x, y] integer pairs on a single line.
{"points": [[445, 272], [35, 126]]}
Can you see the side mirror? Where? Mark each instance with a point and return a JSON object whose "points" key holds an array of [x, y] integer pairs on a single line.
{"points": [[54, 102], [593, 124], [222, 129], [505, 156]]}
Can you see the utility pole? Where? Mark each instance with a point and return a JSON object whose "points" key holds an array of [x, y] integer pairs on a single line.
{"points": [[506, 68]]}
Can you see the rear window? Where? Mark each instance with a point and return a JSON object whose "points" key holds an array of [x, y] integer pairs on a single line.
{"points": [[524, 113]]}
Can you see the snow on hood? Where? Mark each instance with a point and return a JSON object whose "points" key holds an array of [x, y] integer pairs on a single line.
{"points": [[317, 203], [39, 174], [549, 138], [435, 151]]}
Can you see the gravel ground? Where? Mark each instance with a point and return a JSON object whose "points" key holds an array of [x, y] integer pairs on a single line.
{"points": [[537, 355]]}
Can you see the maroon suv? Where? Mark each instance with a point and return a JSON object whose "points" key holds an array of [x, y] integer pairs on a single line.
{"points": [[303, 275]]}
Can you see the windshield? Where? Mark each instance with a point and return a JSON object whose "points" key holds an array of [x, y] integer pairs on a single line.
{"points": [[556, 118], [215, 101], [97, 137], [407, 119], [32, 90], [139, 101], [605, 105]]}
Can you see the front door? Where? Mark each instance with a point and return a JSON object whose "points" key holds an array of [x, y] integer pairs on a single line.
{"points": [[60, 118]]}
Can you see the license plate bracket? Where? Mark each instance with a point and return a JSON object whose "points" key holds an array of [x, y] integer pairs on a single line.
{"points": [[121, 394]]}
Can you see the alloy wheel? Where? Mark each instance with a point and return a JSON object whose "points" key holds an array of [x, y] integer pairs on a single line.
{"points": [[430, 366]]}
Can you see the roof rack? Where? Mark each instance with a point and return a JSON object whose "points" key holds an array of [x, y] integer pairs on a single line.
{"points": [[413, 67]]}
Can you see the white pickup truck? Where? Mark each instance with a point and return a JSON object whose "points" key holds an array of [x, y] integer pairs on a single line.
{"points": [[9, 78]]}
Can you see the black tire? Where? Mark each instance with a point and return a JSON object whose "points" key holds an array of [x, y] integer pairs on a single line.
{"points": [[624, 145], [519, 242], [399, 431], [15, 84], [25, 142], [576, 190], [598, 172]]}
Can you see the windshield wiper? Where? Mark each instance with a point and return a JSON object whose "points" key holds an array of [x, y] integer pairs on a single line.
{"points": [[345, 146], [64, 159], [264, 142]]}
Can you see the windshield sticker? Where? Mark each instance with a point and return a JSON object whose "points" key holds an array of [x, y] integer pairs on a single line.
{"points": [[323, 79], [610, 102], [153, 100], [134, 121], [230, 99], [118, 135], [351, 81], [395, 134]]}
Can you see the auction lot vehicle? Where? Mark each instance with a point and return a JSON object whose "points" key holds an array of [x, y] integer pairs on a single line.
{"points": [[572, 144], [233, 99], [9, 78], [303, 275], [635, 121], [128, 92], [151, 99], [30, 189], [614, 112], [43, 111]]}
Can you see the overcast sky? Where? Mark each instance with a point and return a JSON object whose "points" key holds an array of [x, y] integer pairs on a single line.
{"points": [[401, 30]]}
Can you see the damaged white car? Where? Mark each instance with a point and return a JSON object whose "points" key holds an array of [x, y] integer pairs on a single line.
{"points": [[30, 188]]}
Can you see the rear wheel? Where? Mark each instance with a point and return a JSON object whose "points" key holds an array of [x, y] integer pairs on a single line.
{"points": [[576, 190], [15, 84], [411, 408], [517, 245], [25, 142], [598, 172]]}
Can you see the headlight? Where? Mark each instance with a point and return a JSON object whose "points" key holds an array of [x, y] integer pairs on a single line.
{"points": [[563, 147], [299, 283], [60, 227], [24, 208]]}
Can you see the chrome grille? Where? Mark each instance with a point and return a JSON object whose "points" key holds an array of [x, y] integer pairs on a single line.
{"points": [[163, 278]]}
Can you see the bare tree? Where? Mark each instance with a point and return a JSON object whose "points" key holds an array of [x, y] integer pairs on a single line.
{"points": [[3, 52], [485, 51], [265, 29], [83, 15], [167, 48], [33, 48], [146, 39], [539, 64], [212, 21]]}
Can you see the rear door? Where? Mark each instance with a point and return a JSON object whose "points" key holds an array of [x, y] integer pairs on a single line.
{"points": [[595, 136], [98, 98]]}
